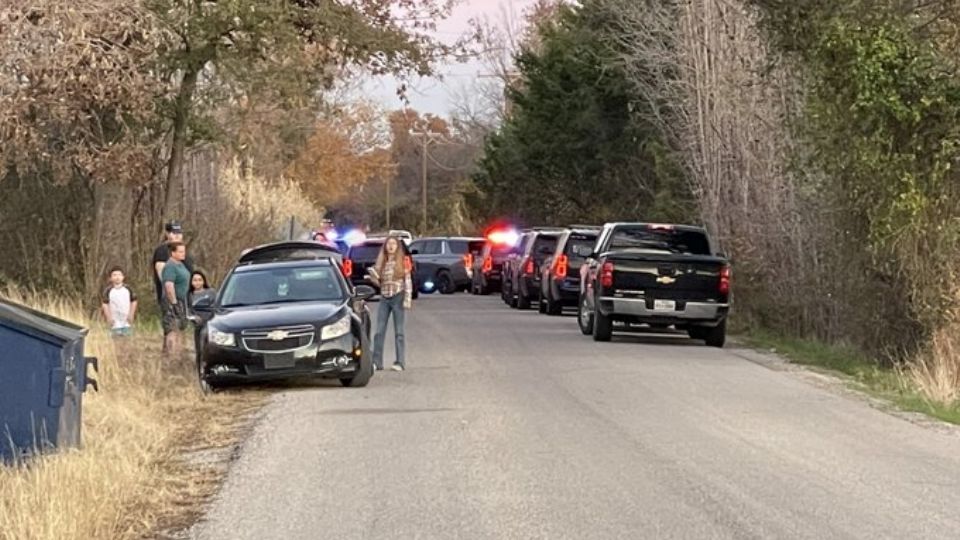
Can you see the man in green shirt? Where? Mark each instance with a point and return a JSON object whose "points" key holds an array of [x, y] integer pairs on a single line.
{"points": [[176, 285]]}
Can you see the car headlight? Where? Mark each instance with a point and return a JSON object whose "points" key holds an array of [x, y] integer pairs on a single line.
{"points": [[223, 339], [337, 329]]}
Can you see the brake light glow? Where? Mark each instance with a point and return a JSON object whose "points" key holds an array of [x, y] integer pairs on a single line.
{"points": [[528, 267], [347, 268], [487, 264], [561, 267], [724, 285], [660, 227], [606, 274], [468, 260]]}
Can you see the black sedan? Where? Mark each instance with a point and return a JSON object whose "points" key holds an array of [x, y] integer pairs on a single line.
{"points": [[285, 319]]}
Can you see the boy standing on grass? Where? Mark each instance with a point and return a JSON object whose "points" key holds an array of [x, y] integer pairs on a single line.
{"points": [[119, 304]]}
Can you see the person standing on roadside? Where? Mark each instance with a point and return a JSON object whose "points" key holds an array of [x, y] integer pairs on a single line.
{"points": [[173, 232], [199, 288], [119, 304], [392, 275], [176, 287]]}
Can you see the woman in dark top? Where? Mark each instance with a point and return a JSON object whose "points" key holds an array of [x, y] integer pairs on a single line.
{"points": [[199, 287]]}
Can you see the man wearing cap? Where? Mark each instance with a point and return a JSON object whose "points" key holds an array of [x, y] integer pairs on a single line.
{"points": [[174, 233]]}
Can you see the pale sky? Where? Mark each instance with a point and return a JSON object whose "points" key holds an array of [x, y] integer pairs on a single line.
{"points": [[437, 96]]}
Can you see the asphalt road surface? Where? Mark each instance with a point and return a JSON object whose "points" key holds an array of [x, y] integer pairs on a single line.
{"points": [[513, 425]]}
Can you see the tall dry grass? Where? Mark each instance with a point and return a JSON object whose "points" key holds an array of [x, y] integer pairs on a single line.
{"points": [[129, 478], [936, 370]]}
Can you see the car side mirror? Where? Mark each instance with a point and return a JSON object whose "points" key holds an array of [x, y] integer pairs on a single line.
{"points": [[364, 292], [203, 304]]}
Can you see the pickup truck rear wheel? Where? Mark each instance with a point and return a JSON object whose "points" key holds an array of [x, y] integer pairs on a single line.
{"points": [[584, 317], [717, 336], [602, 327]]}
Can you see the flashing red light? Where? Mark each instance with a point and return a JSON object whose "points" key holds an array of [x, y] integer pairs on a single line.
{"points": [[347, 268], [606, 274], [561, 267], [503, 237], [724, 285], [487, 264]]}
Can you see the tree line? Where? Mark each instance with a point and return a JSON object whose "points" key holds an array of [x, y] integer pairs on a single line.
{"points": [[816, 140]]}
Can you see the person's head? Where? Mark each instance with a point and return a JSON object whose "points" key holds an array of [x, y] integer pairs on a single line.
{"points": [[392, 249], [178, 251], [198, 281], [174, 231], [117, 276]]}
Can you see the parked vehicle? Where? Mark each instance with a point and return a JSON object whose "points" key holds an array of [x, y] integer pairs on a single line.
{"points": [[560, 273], [281, 319], [360, 257], [488, 264], [447, 262], [658, 275], [523, 267]]}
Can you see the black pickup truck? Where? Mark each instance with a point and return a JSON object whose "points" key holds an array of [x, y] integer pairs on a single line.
{"points": [[658, 275]]}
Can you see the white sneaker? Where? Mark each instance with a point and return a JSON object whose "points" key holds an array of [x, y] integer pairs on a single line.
{"points": [[396, 367]]}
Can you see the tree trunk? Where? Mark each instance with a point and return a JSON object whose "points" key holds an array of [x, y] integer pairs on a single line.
{"points": [[174, 184]]}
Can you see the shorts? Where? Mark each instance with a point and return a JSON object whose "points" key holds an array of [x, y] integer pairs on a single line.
{"points": [[126, 331], [174, 317]]}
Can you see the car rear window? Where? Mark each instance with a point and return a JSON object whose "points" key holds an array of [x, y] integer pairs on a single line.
{"points": [[663, 240], [459, 247], [581, 243], [544, 244], [365, 252]]}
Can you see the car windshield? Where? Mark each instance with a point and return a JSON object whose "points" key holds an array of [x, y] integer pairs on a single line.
{"points": [[662, 240], [282, 285], [366, 252]]}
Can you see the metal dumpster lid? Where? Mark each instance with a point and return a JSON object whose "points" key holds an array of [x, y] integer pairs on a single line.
{"points": [[38, 324]]}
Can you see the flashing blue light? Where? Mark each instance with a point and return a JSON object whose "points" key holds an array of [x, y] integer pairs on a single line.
{"points": [[332, 235], [354, 237]]}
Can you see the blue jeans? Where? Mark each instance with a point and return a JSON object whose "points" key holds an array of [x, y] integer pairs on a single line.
{"points": [[388, 306]]}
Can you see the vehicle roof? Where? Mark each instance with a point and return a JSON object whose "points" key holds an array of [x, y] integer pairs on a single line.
{"points": [[302, 263], [465, 238], [326, 249], [679, 227]]}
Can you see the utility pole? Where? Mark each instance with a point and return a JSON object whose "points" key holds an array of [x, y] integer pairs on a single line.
{"points": [[426, 138]]}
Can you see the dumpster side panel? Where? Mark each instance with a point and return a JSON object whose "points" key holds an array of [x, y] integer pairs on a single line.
{"points": [[26, 418]]}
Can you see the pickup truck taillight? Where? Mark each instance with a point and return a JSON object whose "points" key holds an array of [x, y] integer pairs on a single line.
{"points": [[606, 274], [468, 260], [724, 284], [561, 267], [347, 268], [528, 267], [487, 264]]}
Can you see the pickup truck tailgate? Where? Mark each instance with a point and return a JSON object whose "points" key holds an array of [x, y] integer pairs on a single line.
{"points": [[671, 277]]}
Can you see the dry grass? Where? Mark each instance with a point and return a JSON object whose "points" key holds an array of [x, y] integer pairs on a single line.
{"points": [[936, 372], [129, 480]]}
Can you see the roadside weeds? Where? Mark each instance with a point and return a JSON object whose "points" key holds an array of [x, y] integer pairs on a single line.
{"points": [[134, 475], [894, 386]]}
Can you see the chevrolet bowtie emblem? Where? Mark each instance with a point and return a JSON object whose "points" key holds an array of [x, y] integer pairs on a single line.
{"points": [[666, 280], [278, 335]]}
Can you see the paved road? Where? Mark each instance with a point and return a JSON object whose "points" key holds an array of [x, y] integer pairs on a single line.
{"points": [[512, 425]]}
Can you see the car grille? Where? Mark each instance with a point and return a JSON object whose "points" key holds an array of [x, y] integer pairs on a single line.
{"points": [[264, 341]]}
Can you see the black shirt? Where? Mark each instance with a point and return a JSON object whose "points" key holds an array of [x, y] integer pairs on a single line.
{"points": [[162, 254]]}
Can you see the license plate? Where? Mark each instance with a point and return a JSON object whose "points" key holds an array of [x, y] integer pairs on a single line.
{"points": [[279, 361], [664, 305]]}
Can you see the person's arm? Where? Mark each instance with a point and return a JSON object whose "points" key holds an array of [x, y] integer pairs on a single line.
{"points": [[158, 268], [133, 308], [105, 306], [407, 291], [168, 278]]}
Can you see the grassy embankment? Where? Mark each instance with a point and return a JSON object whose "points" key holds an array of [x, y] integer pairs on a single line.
{"points": [[130, 479], [907, 389]]}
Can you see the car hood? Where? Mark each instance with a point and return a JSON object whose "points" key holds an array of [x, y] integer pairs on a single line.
{"points": [[274, 315]]}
